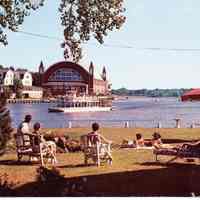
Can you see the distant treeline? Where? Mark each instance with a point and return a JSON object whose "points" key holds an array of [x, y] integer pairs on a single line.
{"points": [[150, 93]]}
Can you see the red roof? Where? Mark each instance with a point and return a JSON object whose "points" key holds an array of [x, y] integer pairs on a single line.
{"points": [[192, 92]]}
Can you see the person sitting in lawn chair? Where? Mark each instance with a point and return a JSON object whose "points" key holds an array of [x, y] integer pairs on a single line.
{"points": [[96, 147], [39, 144], [23, 131]]}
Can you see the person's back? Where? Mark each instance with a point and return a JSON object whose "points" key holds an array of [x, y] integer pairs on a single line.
{"points": [[36, 137], [104, 145], [93, 138], [22, 129]]}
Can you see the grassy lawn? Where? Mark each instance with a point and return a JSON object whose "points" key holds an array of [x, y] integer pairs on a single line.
{"points": [[129, 167], [118, 134]]}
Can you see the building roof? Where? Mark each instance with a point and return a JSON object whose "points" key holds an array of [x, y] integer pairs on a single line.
{"points": [[192, 92]]}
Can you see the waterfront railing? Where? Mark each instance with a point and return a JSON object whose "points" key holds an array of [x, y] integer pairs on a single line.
{"points": [[174, 123]]}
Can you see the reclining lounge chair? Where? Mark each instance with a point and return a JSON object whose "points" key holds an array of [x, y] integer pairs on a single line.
{"points": [[176, 153]]}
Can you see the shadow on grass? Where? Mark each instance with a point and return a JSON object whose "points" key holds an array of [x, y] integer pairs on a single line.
{"points": [[17, 163], [166, 164], [170, 141], [174, 180], [75, 166]]}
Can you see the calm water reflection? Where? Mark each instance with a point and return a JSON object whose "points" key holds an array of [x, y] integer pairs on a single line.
{"points": [[141, 112]]}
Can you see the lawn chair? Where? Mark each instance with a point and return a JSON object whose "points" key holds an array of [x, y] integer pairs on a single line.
{"points": [[98, 152], [176, 153], [25, 147]]}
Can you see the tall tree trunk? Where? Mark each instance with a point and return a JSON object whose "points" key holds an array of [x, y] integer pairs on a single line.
{"points": [[5, 124]]}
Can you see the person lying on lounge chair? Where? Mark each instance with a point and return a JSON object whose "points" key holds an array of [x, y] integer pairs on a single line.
{"points": [[157, 142], [139, 140]]}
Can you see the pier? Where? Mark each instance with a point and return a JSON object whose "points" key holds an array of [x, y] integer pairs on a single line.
{"points": [[29, 101]]}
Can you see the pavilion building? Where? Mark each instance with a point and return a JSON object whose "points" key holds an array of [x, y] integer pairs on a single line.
{"points": [[63, 77]]}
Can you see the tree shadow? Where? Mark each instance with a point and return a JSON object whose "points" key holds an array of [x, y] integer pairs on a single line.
{"points": [[17, 163], [166, 164], [171, 140], [173, 180], [75, 166]]}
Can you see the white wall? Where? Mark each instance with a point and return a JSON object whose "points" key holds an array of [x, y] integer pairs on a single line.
{"points": [[9, 78], [27, 79], [33, 94]]}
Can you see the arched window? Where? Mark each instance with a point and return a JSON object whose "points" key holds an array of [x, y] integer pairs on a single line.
{"points": [[65, 75]]}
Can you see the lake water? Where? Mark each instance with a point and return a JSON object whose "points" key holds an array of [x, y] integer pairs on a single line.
{"points": [[139, 111]]}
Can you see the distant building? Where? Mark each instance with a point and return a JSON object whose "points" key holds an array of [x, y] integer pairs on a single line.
{"points": [[37, 76], [67, 76], [8, 76], [32, 92], [27, 79], [59, 79]]}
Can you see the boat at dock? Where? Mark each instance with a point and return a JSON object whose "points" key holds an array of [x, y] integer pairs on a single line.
{"points": [[71, 104]]}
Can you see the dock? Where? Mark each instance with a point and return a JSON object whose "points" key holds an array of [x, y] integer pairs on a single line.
{"points": [[29, 101]]}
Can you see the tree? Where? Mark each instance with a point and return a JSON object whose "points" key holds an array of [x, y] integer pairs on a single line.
{"points": [[5, 124], [81, 20], [7, 91], [17, 88], [12, 14]]}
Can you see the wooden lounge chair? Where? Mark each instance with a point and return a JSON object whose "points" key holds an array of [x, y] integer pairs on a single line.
{"points": [[176, 153], [25, 147], [98, 152]]}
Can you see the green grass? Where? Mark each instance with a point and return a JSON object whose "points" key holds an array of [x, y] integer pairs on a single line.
{"points": [[118, 134], [125, 160]]}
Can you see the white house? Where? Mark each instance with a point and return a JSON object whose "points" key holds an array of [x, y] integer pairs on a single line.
{"points": [[32, 92], [27, 79], [9, 78]]}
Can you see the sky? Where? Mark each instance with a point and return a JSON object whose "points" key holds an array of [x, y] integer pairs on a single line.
{"points": [[131, 56]]}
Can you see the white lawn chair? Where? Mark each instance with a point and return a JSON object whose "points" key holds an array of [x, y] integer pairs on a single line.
{"points": [[98, 152], [26, 147]]}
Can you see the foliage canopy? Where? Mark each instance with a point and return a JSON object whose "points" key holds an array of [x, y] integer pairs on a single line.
{"points": [[12, 13], [81, 20]]}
